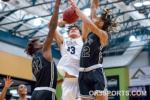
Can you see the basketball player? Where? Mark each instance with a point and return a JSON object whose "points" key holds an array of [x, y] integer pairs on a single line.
{"points": [[22, 91], [8, 83], [91, 76], [43, 66], [69, 63]]}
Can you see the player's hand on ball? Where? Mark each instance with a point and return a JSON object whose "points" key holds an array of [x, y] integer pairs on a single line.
{"points": [[73, 4], [61, 22]]}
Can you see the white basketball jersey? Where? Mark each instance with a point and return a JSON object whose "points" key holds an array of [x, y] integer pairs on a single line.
{"points": [[70, 59]]}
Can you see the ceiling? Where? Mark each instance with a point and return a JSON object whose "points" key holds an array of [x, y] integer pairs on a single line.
{"points": [[17, 18]]}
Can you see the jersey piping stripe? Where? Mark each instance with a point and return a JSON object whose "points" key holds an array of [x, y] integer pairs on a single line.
{"points": [[100, 54], [53, 96], [104, 79], [52, 74]]}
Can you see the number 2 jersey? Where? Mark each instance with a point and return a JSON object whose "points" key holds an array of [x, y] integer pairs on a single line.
{"points": [[92, 50], [69, 62]]}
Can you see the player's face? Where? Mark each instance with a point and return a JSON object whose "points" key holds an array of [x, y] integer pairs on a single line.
{"points": [[38, 44], [22, 90], [74, 32], [98, 21]]}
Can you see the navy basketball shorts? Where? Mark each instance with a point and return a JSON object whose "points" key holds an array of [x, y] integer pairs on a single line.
{"points": [[92, 81], [43, 95]]}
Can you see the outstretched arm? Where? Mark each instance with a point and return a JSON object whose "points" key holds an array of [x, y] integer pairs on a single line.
{"points": [[52, 27], [85, 29], [59, 39], [8, 83], [100, 33], [94, 7], [57, 36]]}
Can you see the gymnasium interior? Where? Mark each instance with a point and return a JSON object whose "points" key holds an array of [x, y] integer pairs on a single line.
{"points": [[126, 59]]}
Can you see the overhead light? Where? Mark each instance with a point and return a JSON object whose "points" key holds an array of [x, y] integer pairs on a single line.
{"points": [[132, 38], [87, 11], [37, 22], [138, 3], [146, 2], [1, 6], [65, 35]]}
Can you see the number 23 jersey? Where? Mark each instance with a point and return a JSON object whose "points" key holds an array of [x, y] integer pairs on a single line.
{"points": [[70, 59]]}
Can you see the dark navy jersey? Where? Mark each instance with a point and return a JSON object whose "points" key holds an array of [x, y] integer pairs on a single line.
{"points": [[92, 50], [44, 71]]}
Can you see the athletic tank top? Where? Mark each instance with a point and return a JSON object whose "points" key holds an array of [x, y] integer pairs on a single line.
{"points": [[92, 50], [69, 61], [44, 71]]}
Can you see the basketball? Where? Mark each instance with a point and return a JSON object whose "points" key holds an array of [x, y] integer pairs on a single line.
{"points": [[70, 16]]}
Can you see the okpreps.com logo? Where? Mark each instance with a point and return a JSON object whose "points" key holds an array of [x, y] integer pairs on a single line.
{"points": [[118, 93]]}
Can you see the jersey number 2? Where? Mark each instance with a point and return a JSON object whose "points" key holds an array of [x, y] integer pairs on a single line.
{"points": [[71, 49], [86, 51]]}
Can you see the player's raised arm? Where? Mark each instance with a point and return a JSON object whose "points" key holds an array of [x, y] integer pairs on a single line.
{"points": [[100, 33], [59, 39], [85, 29], [57, 36], [94, 7], [52, 27], [8, 83]]}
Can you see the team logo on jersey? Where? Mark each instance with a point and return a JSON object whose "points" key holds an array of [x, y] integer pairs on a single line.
{"points": [[37, 65], [89, 41], [71, 43]]}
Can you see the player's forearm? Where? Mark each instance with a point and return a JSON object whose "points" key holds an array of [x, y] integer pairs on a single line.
{"points": [[59, 81], [94, 7], [58, 37], [86, 20], [2, 95], [85, 31], [54, 19], [93, 13]]}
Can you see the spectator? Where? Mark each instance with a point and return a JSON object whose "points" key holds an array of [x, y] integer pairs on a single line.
{"points": [[22, 91], [8, 83]]}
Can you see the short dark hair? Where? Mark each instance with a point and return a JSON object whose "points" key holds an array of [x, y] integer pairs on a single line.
{"points": [[74, 25], [30, 49]]}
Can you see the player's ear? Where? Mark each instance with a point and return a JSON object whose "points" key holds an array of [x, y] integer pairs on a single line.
{"points": [[101, 24]]}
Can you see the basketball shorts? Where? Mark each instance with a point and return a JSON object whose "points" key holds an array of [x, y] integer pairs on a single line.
{"points": [[70, 89], [92, 81], [43, 95]]}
